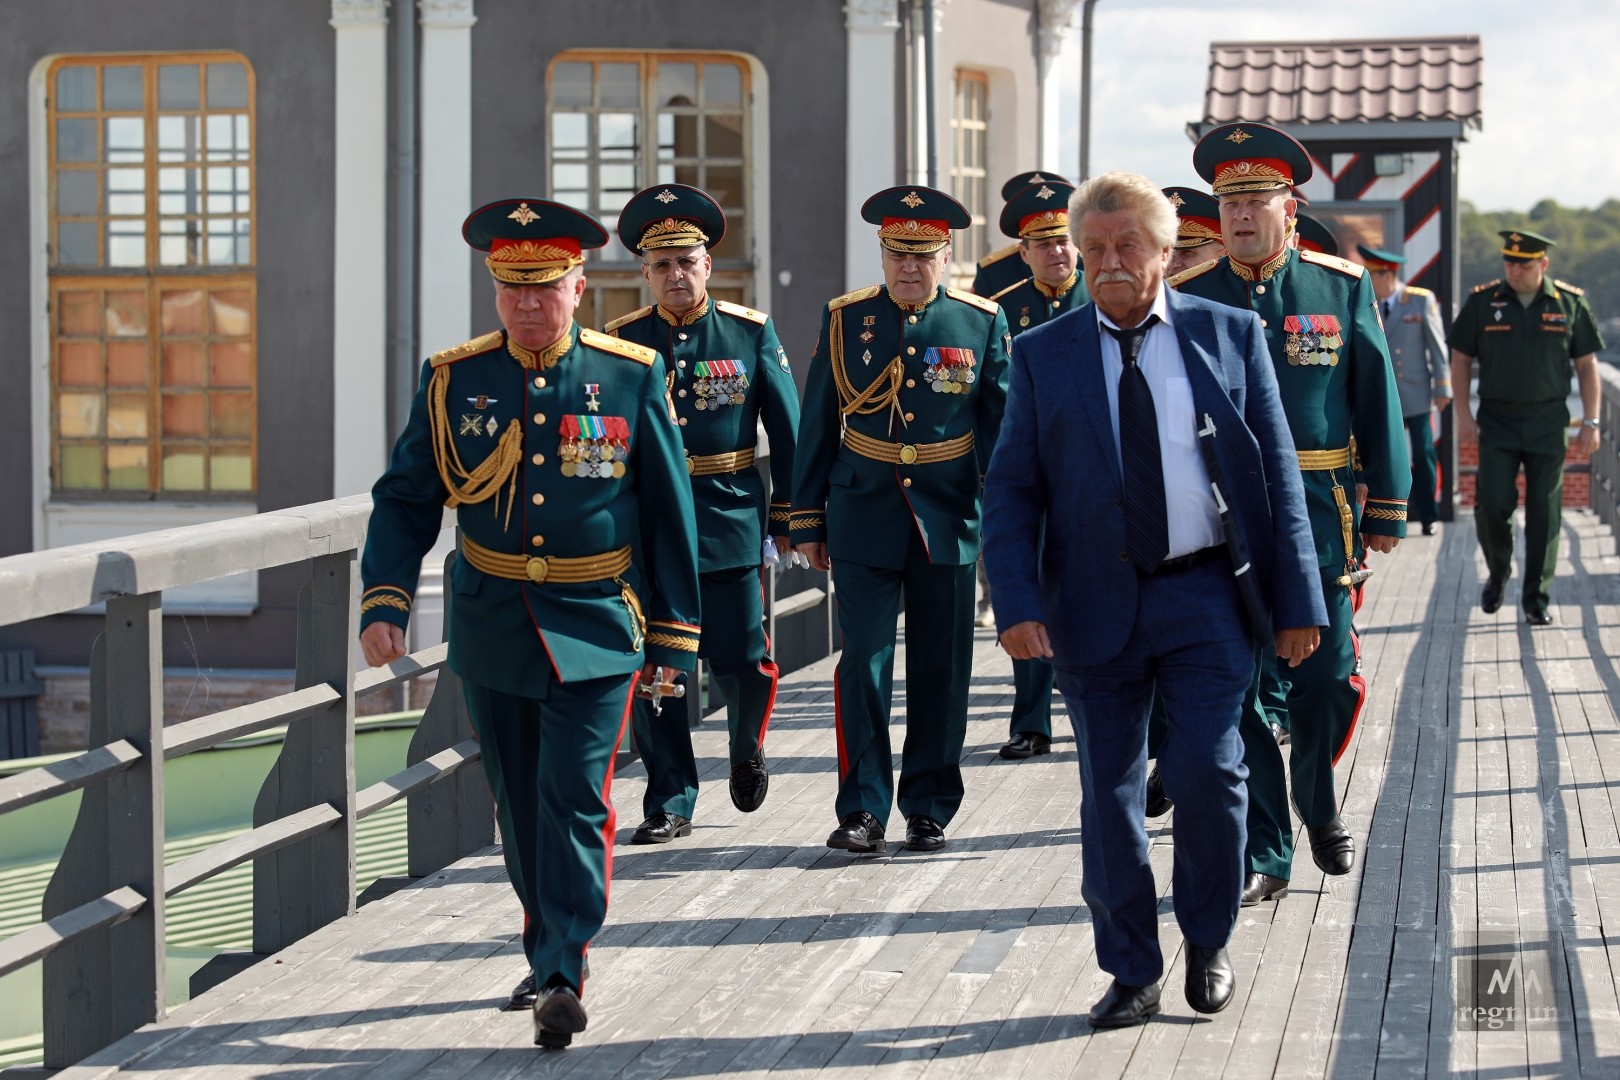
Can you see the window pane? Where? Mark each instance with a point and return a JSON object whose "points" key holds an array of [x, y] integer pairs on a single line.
{"points": [[79, 416], [126, 363], [570, 84], [126, 140], [78, 363], [677, 84], [76, 191], [666, 137], [222, 138], [685, 142], [231, 311], [569, 178], [619, 85], [225, 237], [232, 364], [81, 468], [231, 416], [725, 184], [182, 469], [126, 468], [570, 134], [179, 242], [126, 416], [178, 136], [722, 136], [122, 89], [691, 173], [126, 191], [183, 312], [231, 472], [76, 89], [183, 414], [75, 140], [76, 243], [183, 364], [617, 133], [722, 84], [126, 243], [78, 312], [178, 87], [618, 178], [177, 192], [227, 86], [126, 313]]}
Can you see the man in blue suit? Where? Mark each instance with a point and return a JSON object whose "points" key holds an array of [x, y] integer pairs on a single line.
{"points": [[1135, 585]]}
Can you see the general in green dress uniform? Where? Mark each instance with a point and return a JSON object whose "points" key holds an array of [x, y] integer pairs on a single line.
{"points": [[1529, 333], [1038, 216], [1002, 267], [1334, 373], [902, 405], [729, 373], [576, 575]]}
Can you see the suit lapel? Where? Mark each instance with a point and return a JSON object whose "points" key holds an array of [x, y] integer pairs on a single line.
{"points": [[1092, 384]]}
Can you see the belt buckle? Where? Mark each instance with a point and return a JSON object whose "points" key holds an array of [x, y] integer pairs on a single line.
{"points": [[908, 454], [537, 567]]}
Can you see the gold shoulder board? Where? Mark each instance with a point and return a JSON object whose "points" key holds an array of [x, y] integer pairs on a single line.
{"points": [[1417, 290], [1010, 288], [999, 254], [1333, 262], [639, 313], [1567, 287], [1488, 285], [1191, 272], [596, 340], [483, 343], [741, 312], [973, 300], [853, 297]]}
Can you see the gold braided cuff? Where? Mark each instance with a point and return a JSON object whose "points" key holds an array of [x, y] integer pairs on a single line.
{"points": [[388, 596], [1323, 460], [678, 636], [557, 569], [908, 453], [1384, 510], [715, 464], [781, 512]]}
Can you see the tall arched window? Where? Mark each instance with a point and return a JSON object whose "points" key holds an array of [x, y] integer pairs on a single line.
{"points": [[970, 165]]}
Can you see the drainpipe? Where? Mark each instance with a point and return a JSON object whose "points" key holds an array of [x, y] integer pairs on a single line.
{"points": [[402, 369], [1085, 89], [929, 93]]}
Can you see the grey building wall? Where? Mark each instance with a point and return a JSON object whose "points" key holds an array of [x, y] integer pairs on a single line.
{"points": [[289, 44]]}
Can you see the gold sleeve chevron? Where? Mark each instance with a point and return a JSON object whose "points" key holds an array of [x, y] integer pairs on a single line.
{"points": [[682, 637], [388, 596], [1385, 509]]}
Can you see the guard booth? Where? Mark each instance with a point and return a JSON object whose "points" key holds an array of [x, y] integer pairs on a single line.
{"points": [[1382, 120]]}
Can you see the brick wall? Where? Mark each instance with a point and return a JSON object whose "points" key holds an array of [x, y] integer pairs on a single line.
{"points": [[1576, 484]]}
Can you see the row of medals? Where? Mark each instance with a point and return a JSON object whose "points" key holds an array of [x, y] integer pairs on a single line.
{"points": [[592, 458], [1309, 349], [713, 393], [946, 380]]}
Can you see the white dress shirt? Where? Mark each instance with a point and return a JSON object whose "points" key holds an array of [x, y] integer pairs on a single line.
{"points": [[1194, 521]]}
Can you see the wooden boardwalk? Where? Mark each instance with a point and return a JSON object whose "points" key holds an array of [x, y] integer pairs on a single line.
{"points": [[1477, 785]]}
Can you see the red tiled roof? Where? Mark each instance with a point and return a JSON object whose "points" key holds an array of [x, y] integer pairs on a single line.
{"points": [[1342, 82]]}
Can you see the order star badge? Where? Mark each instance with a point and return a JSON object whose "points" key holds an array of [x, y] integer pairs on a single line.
{"points": [[523, 215]]}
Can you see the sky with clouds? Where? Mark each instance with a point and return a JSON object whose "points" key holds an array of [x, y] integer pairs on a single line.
{"points": [[1549, 93]]}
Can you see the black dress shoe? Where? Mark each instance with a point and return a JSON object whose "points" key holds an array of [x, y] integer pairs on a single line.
{"points": [[1490, 597], [1026, 744], [558, 1016], [1536, 617], [1158, 803], [522, 996], [661, 829], [1125, 1005], [750, 780], [1428, 528], [1258, 887], [860, 831], [923, 833], [1333, 848], [1209, 979]]}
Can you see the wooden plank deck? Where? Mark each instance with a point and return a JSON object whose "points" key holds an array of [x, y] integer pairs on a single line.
{"points": [[1477, 785]]}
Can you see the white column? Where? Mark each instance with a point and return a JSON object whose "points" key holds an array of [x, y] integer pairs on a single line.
{"points": [[1055, 34], [445, 114], [360, 247], [869, 137]]}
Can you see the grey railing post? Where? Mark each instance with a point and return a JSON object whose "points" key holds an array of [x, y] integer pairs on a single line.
{"points": [[100, 989], [308, 884], [455, 816]]}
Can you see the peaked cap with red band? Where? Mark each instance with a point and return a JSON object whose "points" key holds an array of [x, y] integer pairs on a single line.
{"points": [[1242, 157], [531, 241], [915, 219]]}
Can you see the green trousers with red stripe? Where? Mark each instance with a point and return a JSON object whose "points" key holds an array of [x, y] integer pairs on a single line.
{"points": [[550, 767]]}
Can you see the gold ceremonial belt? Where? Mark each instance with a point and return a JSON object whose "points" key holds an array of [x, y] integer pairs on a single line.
{"points": [[1322, 460], [714, 464], [554, 568], [908, 453]]}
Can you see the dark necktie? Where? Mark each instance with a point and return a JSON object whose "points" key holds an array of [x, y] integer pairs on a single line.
{"points": [[1147, 522], [1389, 305]]}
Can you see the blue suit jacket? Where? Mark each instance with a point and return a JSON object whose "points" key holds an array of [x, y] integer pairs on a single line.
{"points": [[1056, 468]]}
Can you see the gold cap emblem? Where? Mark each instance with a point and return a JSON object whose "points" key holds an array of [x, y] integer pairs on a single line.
{"points": [[666, 196], [1045, 192], [912, 200], [1239, 137], [523, 215]]}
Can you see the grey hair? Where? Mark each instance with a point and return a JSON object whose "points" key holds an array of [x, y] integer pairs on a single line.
{"points": [[1114, 191]]}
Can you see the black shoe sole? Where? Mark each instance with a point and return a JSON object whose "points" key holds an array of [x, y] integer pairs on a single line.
{"points": [[647, 838], [1142, 1018], [932, 843], [557, 1021], [1262, 898], [1020, 755], [1207, 1009], [860, 849]]}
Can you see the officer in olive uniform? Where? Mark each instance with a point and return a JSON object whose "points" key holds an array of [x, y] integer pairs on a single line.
{"points": [[902, 405], [1198, 229], [1002, 267], [1334, 374], [1417, 347], [576, 575], [1038, 216], [1528, 332], [729, 373]]}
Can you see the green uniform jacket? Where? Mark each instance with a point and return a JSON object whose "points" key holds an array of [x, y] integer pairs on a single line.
{"points": [[865, 509], [1029, 303], [731, 507], [1321, 324], [998, 270], [1525, 353], [501, 415]]}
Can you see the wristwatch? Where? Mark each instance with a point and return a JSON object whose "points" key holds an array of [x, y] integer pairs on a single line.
{"points": [[1593, 424]]}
